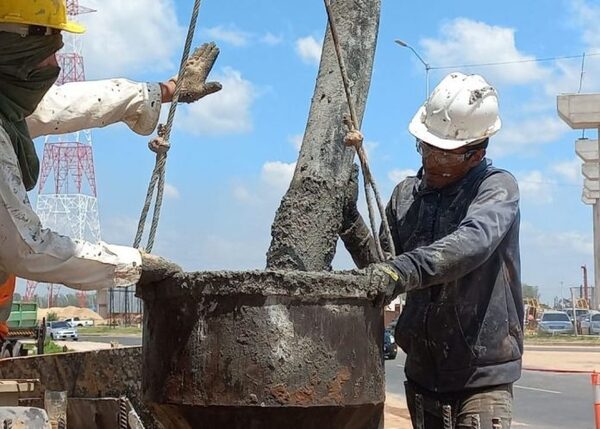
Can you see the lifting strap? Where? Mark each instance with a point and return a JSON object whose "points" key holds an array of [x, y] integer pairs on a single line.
{"points": [[369, 181]]}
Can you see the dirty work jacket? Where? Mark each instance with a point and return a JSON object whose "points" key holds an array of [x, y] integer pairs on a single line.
{"points": [[458, 254], [34, 253]]}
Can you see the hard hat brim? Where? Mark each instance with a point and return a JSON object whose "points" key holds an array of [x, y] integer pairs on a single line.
{"points": [[72, 27], [418, 129]]}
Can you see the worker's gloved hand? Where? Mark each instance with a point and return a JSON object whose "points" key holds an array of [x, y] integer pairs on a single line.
{"points": [[387, 280], [350, 210], [354, 138], [199, 64], [156, 269]]}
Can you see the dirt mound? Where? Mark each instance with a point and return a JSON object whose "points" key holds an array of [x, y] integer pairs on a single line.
{"points": [[68, 312]]}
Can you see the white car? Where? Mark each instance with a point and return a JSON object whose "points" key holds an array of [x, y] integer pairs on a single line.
{"points": [[76, 322], [555, 322], [590, 323], [61, 331]]}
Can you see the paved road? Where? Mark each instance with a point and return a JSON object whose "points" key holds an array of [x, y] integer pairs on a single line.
{"points": [[125, 341], [542, 400]]}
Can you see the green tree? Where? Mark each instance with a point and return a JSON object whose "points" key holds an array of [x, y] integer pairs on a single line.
{"points": [[530, 291], [52, 317]]}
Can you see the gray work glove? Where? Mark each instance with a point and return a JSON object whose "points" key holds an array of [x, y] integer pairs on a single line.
{"points": [[156, 269], [350, 210], [386, 278], [199, 64]]}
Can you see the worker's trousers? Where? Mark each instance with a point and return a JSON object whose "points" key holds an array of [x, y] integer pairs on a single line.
{"points": [[482, 409]]}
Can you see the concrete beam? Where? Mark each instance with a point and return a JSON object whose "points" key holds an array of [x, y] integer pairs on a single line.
{"points": [[591, 195], [587, 149], [591, 185], [579, 111], [588, 201], [590, 170]]}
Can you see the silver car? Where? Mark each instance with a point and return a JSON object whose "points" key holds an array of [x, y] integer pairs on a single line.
{"points": [[590, 324], [555, 322], [61, 331]]}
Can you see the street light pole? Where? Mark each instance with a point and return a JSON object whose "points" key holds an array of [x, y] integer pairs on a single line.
{"points": [[427, 66]]}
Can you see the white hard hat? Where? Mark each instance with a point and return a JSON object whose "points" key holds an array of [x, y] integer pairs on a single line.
{"points": [[461, 110]]}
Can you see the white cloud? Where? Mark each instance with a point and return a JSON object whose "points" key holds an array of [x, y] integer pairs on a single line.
{"points": [[226, 112], [309, 49], [561, 242], [464, 41], [569, 170], [524, 136], [271, 39], [296, 141], [242, 194], [586, 16], [535, 188], [171, 192], [128, 37], [278, 175], [398, 175], [229, 34]]}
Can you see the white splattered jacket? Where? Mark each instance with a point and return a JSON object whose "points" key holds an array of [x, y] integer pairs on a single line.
{"points": [[27, 249]]}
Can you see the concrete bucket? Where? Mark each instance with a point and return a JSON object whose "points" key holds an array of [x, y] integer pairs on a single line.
{"points": [[264, 350]]}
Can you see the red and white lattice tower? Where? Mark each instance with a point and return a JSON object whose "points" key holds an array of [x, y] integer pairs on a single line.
{"points": [[67, 199]]}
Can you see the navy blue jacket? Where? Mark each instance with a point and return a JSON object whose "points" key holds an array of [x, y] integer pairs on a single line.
{"points": [[458, 255]]}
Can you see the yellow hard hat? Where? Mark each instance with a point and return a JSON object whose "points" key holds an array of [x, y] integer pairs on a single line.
{"points": [[45, 13]]}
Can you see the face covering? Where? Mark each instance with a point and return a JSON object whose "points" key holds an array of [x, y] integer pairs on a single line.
{"points": [[23, 84], [443, 168]]}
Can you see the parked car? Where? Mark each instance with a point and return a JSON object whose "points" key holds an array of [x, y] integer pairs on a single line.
{"points": [[555, 322], [590, 323], [61, 331], [76, 322], [390, 349]]}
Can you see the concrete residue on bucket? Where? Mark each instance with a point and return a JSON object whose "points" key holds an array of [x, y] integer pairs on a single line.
{"points": [[267, 339]]}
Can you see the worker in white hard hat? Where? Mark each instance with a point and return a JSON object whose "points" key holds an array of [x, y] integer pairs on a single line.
{"points": [[30, 36], [455, 227]]}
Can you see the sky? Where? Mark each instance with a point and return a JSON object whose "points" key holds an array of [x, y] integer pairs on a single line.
{"points": [[233, 154]]}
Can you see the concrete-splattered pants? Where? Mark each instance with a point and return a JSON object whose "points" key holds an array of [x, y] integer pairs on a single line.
{"points": [[483, 409]]}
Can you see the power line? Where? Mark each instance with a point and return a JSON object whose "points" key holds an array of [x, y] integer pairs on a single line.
{"points": [[530, 60]]}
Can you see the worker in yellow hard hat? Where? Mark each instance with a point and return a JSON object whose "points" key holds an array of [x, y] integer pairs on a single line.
{"points": [[30, 36], [43, 17]]}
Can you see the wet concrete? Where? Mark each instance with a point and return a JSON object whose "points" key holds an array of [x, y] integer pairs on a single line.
{"points": [[264, 347], [307, 223]]}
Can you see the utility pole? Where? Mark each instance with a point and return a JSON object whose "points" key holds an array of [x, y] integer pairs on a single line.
{"points": [[585, 284], [582, 111], [573, 306]]}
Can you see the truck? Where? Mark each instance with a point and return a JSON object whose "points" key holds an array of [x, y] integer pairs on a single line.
{"points": [[76, 322], [23, 325]]}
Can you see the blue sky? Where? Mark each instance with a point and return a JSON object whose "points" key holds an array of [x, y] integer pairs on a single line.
{"points": [[233, 154]]}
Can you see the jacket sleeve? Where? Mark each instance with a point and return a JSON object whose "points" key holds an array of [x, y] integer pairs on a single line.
{"points": [[489, 217], [94, 104], [359, 242], [31, 252]]}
